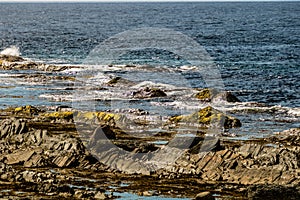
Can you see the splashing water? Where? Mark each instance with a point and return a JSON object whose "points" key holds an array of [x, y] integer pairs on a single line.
{"points": [[11, 51]]}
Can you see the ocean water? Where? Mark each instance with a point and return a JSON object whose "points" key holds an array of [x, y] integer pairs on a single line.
{"points": [[254, 46]]}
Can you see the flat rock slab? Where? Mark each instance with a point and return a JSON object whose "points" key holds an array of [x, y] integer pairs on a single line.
{"points": [[19, 157]]}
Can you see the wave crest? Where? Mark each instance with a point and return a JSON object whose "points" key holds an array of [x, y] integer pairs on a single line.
{"points": [[11, 51]]}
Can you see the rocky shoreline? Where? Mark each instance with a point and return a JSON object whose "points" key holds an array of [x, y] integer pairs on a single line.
{"points": [[43, 155]]}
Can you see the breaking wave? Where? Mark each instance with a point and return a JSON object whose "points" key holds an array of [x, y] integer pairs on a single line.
{"points": [[11, 51]]}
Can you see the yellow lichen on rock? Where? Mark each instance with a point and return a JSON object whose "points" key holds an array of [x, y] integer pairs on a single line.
{"points": [[207, 116], [28, 109], [89, 115], [59, 115], [206, 94], [100, 116], [209, 94]]}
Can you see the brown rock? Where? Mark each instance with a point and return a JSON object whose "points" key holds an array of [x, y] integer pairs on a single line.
{"points": [[19, 157]]}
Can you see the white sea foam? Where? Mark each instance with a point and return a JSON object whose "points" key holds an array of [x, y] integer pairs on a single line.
{"points": [[11, 51], [294, 111], [157, 85]]}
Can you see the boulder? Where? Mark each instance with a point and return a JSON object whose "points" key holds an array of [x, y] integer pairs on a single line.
{"points": [[209, 95]]}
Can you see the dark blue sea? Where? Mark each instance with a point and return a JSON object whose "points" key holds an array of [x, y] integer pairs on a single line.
{"points": [[255, 46]]}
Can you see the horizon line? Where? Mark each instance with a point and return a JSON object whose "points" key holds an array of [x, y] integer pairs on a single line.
{"points": [[135, 1]]}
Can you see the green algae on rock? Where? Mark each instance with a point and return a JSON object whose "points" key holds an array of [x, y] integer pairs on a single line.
{"points": [[207, 116]]}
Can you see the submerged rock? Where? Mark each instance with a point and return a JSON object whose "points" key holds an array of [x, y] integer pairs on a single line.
{"points": [[149, 93], [209, 116], [119, 81]]}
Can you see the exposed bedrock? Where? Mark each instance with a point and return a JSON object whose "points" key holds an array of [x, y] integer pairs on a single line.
{"points": [[34, 139]]}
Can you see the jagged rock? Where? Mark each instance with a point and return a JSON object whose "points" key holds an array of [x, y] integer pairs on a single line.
{"points": [[49, 147], [209, 116], [66, 160], [10, 58], [37, 160], [250, 149], [148, 93], [10, 127]]}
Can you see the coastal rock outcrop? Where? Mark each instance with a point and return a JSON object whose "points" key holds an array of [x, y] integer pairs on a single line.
{"points": [[29, 145], [8, 62], [208, 116]]}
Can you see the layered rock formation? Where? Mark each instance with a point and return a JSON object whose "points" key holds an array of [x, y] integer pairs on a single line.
{"points": [[42, 154]]}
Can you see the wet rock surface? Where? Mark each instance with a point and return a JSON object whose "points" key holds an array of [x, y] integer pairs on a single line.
{"points": [[149, 93], [8, 62], [42, 155]]}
